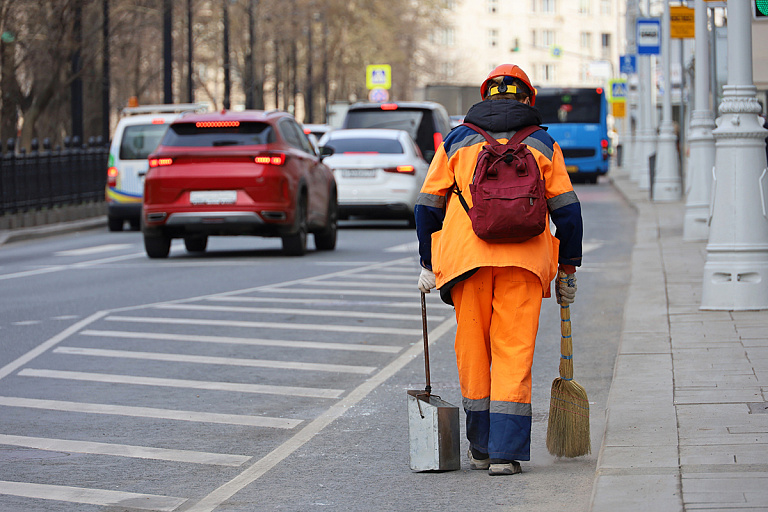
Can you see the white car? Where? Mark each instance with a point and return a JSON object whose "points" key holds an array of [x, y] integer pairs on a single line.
{"points": [[137, 134], [379, 173]]}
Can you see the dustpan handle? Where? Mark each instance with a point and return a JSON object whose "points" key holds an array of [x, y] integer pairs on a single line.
{"points": [[428, 388]]}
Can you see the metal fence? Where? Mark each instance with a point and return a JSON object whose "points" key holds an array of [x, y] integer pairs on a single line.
{"points": [[45, 178]]}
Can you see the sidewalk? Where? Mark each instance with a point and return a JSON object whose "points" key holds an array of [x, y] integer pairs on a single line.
{"points": [[687, 415]]}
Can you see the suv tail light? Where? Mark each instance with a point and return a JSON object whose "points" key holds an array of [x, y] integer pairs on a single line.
{"points": [[112, 174], [389, 106], [401, 169], [604, 145], [270, 159], [160, 162], [438, 138]]}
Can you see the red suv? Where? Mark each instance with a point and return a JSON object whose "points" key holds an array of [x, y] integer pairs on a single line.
{"points": [[237, 173]]}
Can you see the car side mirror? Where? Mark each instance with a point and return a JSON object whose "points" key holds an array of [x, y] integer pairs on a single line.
{"points": [[326, 151]]}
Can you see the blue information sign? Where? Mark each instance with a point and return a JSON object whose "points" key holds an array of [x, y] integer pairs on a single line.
{"points": [[628, 64], [648, 36]]}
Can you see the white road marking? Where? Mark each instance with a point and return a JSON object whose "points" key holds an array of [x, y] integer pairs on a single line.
{"points": [[124, 450], [226, 361], [262, 466], [328, 313], [320, 345], [97, 497], [590, 246], [183, 383], [26, 322], [93, 250], [412, 247], [59, 268], [150, 412], [374, 286], [325, 302], [65, 317], [337, 291], [264, 325]]}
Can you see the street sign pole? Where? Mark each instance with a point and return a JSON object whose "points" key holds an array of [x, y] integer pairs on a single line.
{"points": [[736, 270], [647, 46], [629, 140], [666, 182], [701, 141]]}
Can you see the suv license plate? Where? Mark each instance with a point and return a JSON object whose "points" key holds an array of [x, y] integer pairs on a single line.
{"points": [[213, 197], [358, 173]]}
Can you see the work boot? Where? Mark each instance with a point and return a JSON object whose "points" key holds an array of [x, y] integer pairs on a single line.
{"points": [[509, 468], [477, 463]]}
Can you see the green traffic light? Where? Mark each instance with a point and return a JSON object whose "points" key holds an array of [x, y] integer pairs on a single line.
{"points": [[761, 8]]}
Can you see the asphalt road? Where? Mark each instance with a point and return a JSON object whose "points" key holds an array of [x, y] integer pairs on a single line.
{"points": [[243, 380]]}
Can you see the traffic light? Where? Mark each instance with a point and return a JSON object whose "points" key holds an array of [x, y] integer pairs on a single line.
{"points": [[760, 9]]}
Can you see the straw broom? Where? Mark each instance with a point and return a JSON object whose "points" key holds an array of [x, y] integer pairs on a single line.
{"points": [[568, 429]]}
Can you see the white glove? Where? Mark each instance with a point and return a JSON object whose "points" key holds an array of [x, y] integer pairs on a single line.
{"points": [[565, 291], [426, 280]]}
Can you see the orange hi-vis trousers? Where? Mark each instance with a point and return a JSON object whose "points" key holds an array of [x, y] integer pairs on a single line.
{"points": [[497, 311]]}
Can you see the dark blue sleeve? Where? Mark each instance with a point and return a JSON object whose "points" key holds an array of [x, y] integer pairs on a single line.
{"points": [[428, 220], [569, 231]]}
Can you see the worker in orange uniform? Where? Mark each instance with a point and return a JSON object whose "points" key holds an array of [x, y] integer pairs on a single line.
{"points": [[496, 288]]}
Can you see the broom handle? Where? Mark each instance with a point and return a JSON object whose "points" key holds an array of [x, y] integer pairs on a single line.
{"points": [[566, 341], [428, 388]]}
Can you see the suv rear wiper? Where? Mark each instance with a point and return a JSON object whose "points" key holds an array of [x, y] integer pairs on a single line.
{"points": [[217, 143]]}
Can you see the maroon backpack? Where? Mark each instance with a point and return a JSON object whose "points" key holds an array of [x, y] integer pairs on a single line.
{"points": [[509, 204]]}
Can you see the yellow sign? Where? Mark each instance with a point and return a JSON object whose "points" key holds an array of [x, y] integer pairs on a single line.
{"points": [[681, 22], [619, 109], [378, 76]]}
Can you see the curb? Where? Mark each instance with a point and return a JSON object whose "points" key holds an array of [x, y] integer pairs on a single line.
{"points": [[17, 235]]}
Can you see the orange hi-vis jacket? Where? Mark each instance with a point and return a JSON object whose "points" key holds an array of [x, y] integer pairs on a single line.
{"points": [[447, 243]]}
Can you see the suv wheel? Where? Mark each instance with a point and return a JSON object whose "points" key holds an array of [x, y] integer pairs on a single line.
{"points": [[296, 243], [157, 245], [196, 243], [325, 240], [114, 224]]}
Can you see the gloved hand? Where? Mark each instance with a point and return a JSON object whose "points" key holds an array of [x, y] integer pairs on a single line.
{"points": [[426, 280], [565, 290]]}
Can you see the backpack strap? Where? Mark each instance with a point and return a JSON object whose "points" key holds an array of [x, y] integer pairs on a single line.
{"points": [[519, 136]]}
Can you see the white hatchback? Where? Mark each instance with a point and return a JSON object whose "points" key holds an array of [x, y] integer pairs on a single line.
{"points": [[379, 173]]}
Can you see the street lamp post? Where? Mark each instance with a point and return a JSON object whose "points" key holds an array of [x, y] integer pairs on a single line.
{"points": [[646, 133], [736, 270], [701, 140], [666, 182]]}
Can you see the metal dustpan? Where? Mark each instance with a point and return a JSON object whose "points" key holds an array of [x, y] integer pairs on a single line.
{"points": [[433, 424]]}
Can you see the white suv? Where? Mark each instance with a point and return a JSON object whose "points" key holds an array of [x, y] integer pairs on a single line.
{"points": [[137, 134]]}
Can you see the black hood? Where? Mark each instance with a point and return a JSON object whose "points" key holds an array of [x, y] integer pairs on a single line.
{"points": [[502, 115]]}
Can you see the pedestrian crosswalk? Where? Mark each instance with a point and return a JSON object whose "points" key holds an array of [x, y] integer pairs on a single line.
{"points": [[323, 342]]}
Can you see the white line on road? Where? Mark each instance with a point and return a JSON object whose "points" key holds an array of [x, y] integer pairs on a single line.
{"points": [[124, 450], [183, 383], [265, 325], [93, 250], [412, 247], [337, 291], [150, 412], [373, 286], [325, 302], [296, 311], [225, 361], [98, 497], [59, 268], [321, 345], [276, 456]]}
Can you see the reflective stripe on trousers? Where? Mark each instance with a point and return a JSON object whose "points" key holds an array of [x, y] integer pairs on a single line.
{"points": [[497, 312]]}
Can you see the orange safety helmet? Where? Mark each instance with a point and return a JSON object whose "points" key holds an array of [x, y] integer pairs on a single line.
{"points": [[510, 70]]}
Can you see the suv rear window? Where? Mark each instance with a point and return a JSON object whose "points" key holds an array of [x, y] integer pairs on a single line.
{"points": [[400, 119], [219, 133], [388, 146], [140, 140]]}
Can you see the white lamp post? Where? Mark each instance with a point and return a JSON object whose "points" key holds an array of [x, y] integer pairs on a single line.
{"points": [[736, 271], [646, 132], [666, 182], [702, 142]]}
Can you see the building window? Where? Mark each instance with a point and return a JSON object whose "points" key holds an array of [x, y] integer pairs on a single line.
{"points": [[548, 5], [548, 38], [493, 38], [447, 70], [493, 6], [449, 5], [548, 72], [584, 7], [606, 44], [533, 5], [584, 73], [605, 7], [533, 38], [586, 41], [446, 36]]}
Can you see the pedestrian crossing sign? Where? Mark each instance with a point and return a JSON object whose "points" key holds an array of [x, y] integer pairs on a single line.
{"points": [[378, 76], [617, 91]]}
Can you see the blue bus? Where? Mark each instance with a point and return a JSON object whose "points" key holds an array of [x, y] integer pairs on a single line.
{"points": [[577, 119]]}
